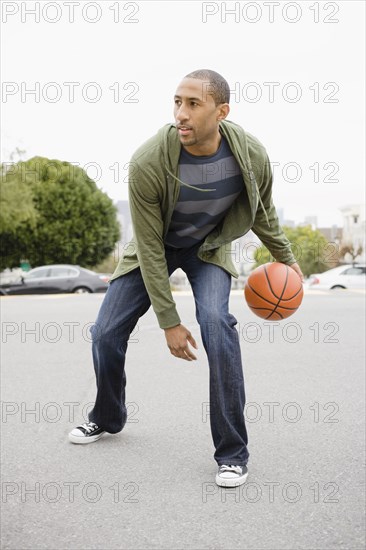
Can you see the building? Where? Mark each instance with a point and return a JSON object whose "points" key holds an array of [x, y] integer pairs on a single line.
{"points": [[281, 215], [333, 234], [354, 228], [125, 222], [311, 220], [124, 219]]}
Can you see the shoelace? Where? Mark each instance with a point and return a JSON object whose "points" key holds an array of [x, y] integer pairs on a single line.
{"points": [[89, 427], [230, 468]]}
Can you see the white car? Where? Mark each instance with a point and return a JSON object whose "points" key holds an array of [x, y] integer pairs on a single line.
{"points": [[344, 276]]}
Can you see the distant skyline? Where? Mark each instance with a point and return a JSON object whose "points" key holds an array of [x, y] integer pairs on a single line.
{"points": [[93, 90]]}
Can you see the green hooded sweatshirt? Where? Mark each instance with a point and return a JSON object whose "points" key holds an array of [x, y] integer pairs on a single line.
{"points": [[153, 192]]}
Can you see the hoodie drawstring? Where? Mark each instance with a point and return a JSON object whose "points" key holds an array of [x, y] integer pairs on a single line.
{"points": [[187, 184]]}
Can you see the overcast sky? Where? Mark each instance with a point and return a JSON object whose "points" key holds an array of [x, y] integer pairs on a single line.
{"points": [[296, 70]]}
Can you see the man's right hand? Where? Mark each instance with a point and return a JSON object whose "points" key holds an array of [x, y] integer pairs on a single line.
{"points": [[177, 339]]}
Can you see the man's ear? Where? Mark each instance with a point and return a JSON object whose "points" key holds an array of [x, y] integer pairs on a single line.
{"points": [[223, 111]]}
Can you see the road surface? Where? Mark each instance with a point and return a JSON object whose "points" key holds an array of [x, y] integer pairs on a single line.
{"points": [[152, 486]]}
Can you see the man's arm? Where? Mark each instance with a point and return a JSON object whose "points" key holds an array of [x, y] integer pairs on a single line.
{"points": [[148, 227], [148, 224]]}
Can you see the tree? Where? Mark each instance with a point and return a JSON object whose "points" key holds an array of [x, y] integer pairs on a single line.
{"points": [[350, 250], [311, 249], [16, 202], [108, 265], [75, 222]]}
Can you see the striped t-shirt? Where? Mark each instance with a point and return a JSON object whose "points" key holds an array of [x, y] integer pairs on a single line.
{"points": [[197, 213]]}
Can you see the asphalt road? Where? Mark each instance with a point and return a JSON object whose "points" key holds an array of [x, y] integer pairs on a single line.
{"points": [[152, 486]]}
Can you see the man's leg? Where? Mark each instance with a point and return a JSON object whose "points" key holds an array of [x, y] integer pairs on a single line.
{"points": [[211, 288], [125, 302]]}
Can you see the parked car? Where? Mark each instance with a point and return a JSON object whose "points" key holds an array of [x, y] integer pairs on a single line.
{"points": [[105, 276], [344, 276], [53, 279]]}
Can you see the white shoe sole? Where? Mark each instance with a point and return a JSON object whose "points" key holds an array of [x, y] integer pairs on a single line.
{"points": [[82, 440], [231, 482]]}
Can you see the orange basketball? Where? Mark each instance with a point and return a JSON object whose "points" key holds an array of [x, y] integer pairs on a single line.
{"points": [[273, 291]]}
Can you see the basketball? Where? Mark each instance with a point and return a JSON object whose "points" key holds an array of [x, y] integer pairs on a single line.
{"points": [[273, 291]]}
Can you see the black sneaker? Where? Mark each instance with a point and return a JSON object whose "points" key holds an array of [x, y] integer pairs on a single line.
{"points": [[231, 476], [86, 433]]}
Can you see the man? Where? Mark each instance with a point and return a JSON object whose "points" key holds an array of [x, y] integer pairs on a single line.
{"points": [[193, 188]]}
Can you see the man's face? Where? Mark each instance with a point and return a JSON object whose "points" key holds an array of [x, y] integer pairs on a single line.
{"points": [[196, 114]]}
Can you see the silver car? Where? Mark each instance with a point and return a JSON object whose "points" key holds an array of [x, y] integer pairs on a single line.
{"points": [[54, 279]]}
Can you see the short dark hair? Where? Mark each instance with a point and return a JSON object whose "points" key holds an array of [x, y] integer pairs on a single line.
{"points": [[219, 88]]}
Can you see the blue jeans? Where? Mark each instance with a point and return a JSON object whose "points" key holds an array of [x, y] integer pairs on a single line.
{"points": [[126, 301]]}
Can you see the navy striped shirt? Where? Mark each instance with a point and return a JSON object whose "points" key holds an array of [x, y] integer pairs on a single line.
{"points": [[196, 213]]}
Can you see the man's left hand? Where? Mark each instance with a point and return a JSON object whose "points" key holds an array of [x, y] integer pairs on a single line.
{"points": [[296, 268]]}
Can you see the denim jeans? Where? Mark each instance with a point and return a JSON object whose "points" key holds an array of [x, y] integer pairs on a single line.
{"points": [[126, 301]]}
